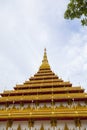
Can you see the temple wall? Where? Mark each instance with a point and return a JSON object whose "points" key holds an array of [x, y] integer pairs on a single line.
{"points": [[43, 124]]}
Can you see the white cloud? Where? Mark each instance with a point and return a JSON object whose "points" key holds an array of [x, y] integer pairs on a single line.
{"points": [[26, 28], [76, 55]]}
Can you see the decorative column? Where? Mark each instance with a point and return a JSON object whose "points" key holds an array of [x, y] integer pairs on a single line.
{"points": [[69, 102], [6, 105], [78, 123], [21, 105], [19, 127], [54, 123], [30, 124], [9, 124], [66, 127], [36, 104], [42, 127]]}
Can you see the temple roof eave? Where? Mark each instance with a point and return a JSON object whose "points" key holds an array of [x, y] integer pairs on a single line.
{"points": [[44, 97], [43, 90], [46, 113]]}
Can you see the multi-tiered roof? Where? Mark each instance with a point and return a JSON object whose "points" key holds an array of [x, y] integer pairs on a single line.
{"points": [[47, 88]]}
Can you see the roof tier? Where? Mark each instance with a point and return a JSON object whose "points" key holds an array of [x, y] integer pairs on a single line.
{"points": [[40, 91], [44, 113]]}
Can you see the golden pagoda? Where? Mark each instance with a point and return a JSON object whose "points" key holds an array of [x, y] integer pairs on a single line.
{"points": [[44, 102]]}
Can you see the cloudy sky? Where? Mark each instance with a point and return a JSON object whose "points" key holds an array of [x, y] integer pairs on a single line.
{"points": [[26, 28]]}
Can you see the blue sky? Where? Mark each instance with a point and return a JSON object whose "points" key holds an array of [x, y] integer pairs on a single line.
{"points": [[26, 28]]}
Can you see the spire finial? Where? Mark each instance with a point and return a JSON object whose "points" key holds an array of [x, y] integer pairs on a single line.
{"points": [[45, 63], [45, 56], [44, 49]]}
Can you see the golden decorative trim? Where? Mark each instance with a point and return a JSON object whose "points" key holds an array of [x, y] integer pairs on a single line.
{"points": [[44, 113]]}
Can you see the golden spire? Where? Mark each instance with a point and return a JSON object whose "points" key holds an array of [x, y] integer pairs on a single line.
{"points": [[45, 64]]}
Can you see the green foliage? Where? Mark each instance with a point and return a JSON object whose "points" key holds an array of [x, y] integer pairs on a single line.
{"points": [[77, 9]]}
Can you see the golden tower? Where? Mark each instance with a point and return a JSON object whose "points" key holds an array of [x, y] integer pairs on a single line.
{"points": [[44, 102]]}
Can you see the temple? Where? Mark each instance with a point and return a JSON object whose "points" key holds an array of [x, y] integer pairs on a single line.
{"points": [[44, 102]]}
